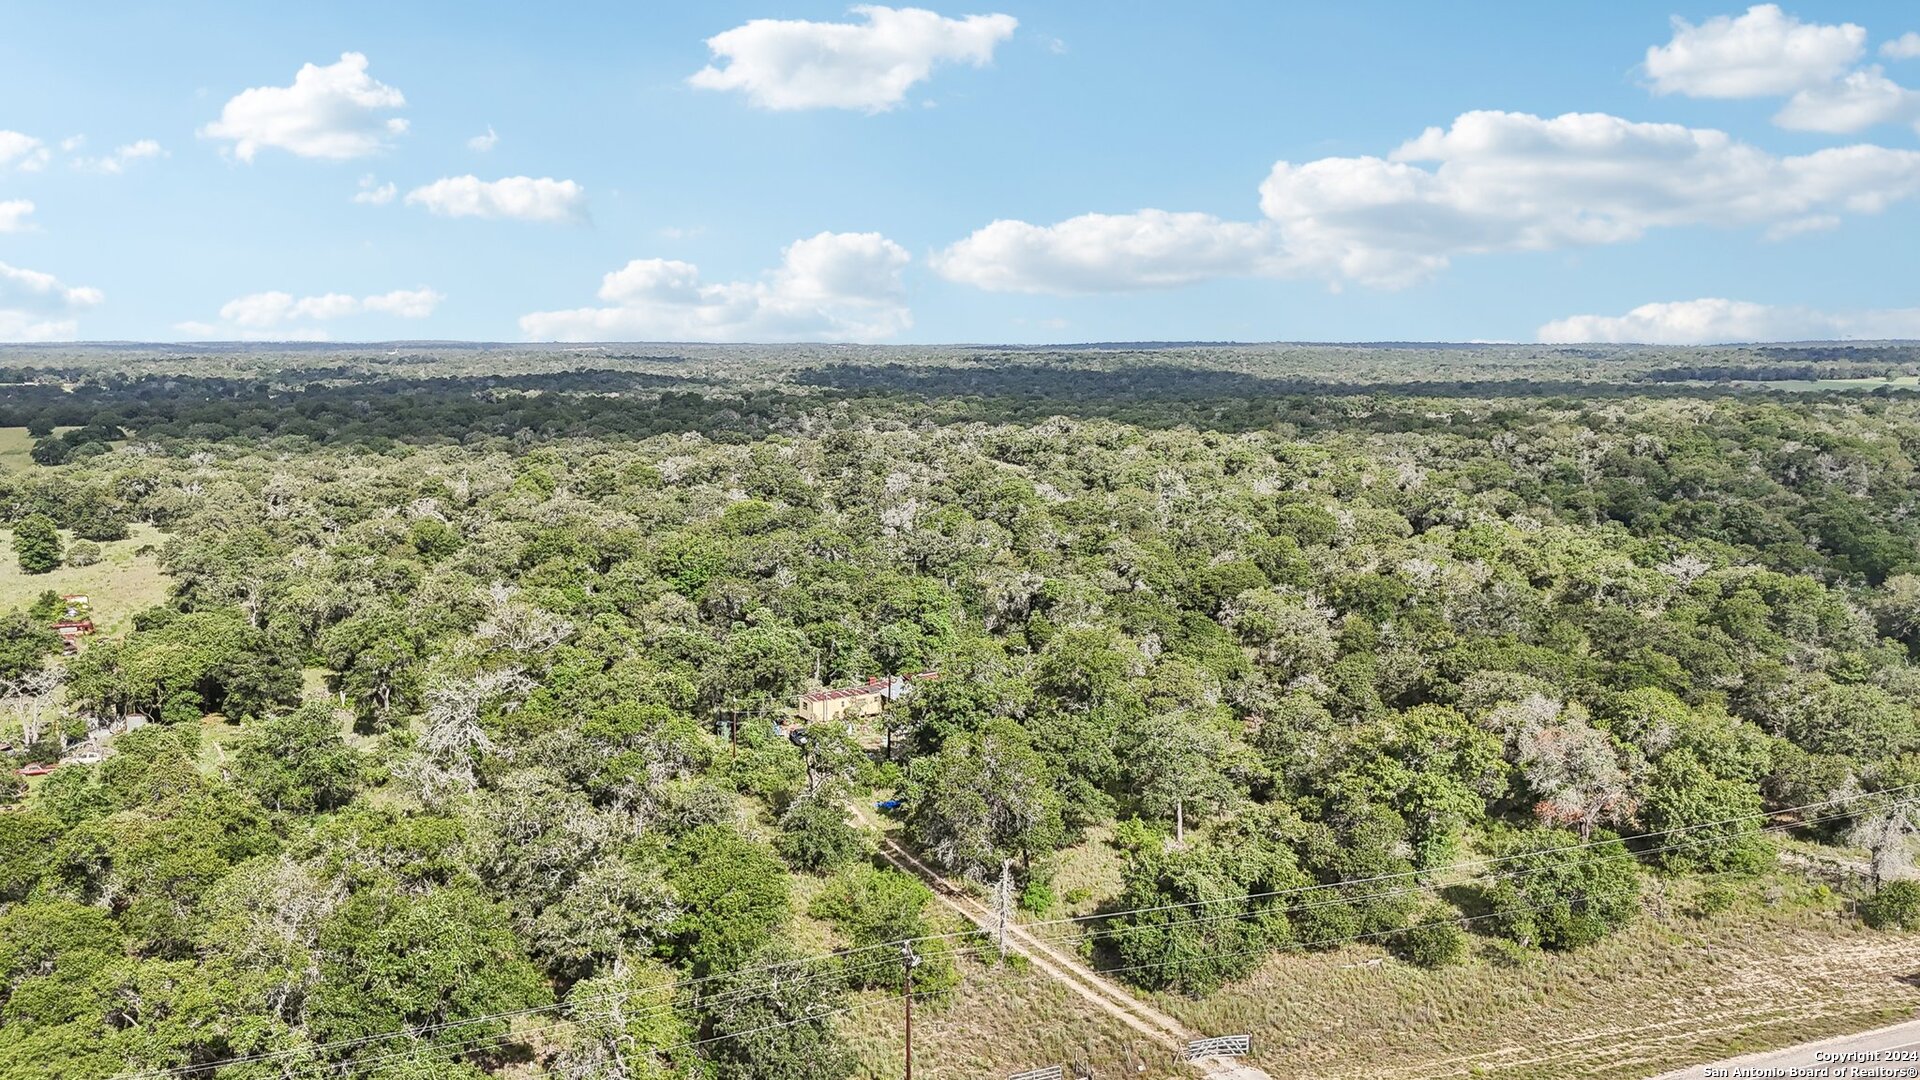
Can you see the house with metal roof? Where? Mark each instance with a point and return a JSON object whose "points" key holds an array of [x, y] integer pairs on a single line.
{"points": [[849, 703]]}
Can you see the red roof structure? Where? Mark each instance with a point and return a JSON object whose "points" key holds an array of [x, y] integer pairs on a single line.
{"points": [[875, 685]]}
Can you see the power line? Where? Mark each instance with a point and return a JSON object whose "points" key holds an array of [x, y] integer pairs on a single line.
{"points": [[680, 988], [1490, 861], [887, 1000], [1628, 855], [484, 1041]]}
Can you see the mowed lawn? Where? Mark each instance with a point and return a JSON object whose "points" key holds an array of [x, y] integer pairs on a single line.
{"points": [[123, 582]]}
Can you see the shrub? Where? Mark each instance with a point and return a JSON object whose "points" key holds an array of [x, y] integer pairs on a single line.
{"points": [[83, 553], [1894, 907], [1436, 941], [1509, 954], [1561, 895], [44, 750], [815, 836], [1036, 896], [875, 908], [1715, 899]]}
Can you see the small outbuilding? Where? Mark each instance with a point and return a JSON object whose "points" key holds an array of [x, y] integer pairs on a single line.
{"points": [[848, 703]]}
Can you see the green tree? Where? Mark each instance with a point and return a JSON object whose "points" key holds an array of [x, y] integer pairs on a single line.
{"points": [[392, 961], [27, 838], [1704, 822], [25, 643], [733, 894], [56, 960], [299, 761], [1175, 764], [622, 1019], [1431, 766], [816, 836], [984, 797], [773, 1019], [1557, 893], [1191, 920], [36, 542], [96, 521]]}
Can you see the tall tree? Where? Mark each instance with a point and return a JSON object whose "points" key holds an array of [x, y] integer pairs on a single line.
{"points": [[36, 542], [298, 762], [1175, 765], [25, 643], [1577, 774], [985, 796]]}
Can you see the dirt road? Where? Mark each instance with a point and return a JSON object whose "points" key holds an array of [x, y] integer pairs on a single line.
{"points": [[1064, 967]]}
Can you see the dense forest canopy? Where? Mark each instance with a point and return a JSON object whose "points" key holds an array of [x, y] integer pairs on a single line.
{"points": [[443, 703]]}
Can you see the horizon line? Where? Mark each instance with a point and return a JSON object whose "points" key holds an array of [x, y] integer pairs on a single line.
{"points": [[1174, 343]]}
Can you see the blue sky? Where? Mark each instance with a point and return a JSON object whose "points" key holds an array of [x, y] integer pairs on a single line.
{"points": [[799, 191]]}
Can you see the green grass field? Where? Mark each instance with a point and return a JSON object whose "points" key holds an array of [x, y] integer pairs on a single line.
{"points": [[120, 584], [14, 445], [1871, 382]]}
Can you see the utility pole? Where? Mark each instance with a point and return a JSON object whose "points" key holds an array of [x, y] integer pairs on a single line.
{"points": [[1003, 904], [911, 961]]}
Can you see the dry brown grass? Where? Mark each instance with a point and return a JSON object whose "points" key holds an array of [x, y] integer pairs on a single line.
{"points": [[1668, 992], [1000, 1020], [1088, 874], [1786, 964]]}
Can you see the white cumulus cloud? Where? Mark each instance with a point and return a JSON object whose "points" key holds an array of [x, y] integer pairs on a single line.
{"points": [[374, 193], [796, 64], [484, 143], [117, 161], [1490, 182], [404, 303], [13, 215], [829, 287], [23, 152], [1712, 321], [1769, 53], [283, 316], [1856, 102], [36, 306], [1904, 47], [1763, 53], [1111, 252], [519, 197], [337, 111]]}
